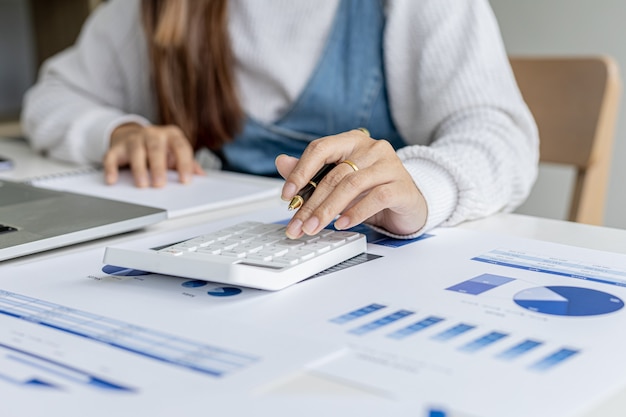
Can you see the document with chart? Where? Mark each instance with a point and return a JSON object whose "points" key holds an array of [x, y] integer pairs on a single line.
{"points": [[483, 324], [455, 323], [79, 335]]}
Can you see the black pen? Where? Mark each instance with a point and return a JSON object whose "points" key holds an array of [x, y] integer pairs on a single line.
{"points": [[305, 193]]}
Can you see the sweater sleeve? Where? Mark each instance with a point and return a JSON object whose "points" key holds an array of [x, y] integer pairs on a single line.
{"points": [[84, 92], [473, 144]]}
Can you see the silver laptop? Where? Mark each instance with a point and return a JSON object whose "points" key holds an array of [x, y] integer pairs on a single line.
{"points": [[34, 219]]}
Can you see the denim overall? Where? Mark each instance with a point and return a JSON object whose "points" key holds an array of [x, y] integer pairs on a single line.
{"points": [[346, 91]]}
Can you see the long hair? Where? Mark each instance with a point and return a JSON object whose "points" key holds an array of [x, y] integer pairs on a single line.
{"points": [[192, 68]]}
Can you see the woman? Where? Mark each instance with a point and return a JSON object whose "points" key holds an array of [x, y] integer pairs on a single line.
{"points": [[241, 82]]}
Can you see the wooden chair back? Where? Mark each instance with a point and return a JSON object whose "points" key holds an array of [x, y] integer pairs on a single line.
{"points": [[574, 101]]}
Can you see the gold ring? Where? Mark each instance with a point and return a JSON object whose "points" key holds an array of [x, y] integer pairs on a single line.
{"points": [[364, 130], [352, 164]]}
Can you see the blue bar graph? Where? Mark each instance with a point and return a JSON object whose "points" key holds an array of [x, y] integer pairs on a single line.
{"points": [[483, 342], [545, 264], [519, 349], [384, 321], [33, 382], [167, 348], [45, 367], [554, 359], [480, 284], [353, 315], [453, 332], [415, 327], [522, 347]]}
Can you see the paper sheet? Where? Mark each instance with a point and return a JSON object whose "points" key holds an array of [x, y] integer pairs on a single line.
{"points": [[460, 324], [78, 335], [485, 325]]}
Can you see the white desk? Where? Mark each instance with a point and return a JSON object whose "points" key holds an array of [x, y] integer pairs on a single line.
{"points": [[558, 231], [593, 237]]}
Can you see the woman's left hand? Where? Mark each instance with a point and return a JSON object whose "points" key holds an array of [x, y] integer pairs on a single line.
{"points": [[380, 192]]}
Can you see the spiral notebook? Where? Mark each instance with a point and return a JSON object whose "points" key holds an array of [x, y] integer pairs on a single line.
{"points": [[216, 189]]}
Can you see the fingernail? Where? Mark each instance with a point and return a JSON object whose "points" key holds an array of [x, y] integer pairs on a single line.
{"points": [[289, 190], [294, 229], [159, 182], [342, 223], [142, 182], [310, 226]]}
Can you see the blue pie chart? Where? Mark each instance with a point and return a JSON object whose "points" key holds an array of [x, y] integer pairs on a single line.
{"points": [[123, 272], [224, 291], [568, 301], [194, 284]]}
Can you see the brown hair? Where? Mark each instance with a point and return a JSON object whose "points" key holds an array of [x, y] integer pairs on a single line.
{"points": [[192, 68]]}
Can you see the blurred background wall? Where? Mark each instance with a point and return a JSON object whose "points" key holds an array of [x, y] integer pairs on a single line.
{"points": [[30, 32]]}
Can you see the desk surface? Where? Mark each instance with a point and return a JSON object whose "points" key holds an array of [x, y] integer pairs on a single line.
{"points": [[557, 231], [593, 237]]}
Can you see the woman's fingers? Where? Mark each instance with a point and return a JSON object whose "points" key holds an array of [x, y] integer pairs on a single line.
{"points": [[332, 195], [179, 147], [150, 151], [372, 186], [397, 206], [110, 165], [137, 155], [117, 155], [285, 164], [322, 151], [155, 143], [197, 169]]}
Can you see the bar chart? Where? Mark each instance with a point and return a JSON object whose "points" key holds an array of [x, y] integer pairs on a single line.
{"points": [[480, 284], [555, 266], [160, 346], [405, 325]]}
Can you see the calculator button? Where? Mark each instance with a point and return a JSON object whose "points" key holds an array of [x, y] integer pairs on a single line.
{"points": [[211, 250], [302, 254], [275, 250], [319, 248], [287, 260], [349, 236], [171, 252], [289, 243], [233, 254], [261, 257]]}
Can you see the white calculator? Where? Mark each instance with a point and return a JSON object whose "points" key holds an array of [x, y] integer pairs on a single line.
{"points": [[249, 254]]}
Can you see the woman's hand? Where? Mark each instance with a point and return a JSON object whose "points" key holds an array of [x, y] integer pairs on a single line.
{"points": [[381, 192], [150, 151]]}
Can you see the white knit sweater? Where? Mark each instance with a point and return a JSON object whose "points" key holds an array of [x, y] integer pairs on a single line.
{"points": [[473, 144]]}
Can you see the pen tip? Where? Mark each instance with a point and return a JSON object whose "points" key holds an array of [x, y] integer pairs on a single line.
{"points": [[295, 203]]}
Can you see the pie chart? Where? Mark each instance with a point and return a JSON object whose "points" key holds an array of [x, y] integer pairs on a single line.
{"points": [[568, 301], [224, 291], [194, 284], [123, 272]]}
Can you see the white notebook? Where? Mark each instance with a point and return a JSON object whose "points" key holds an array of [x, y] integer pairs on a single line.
{"points": [[217, 189]]}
